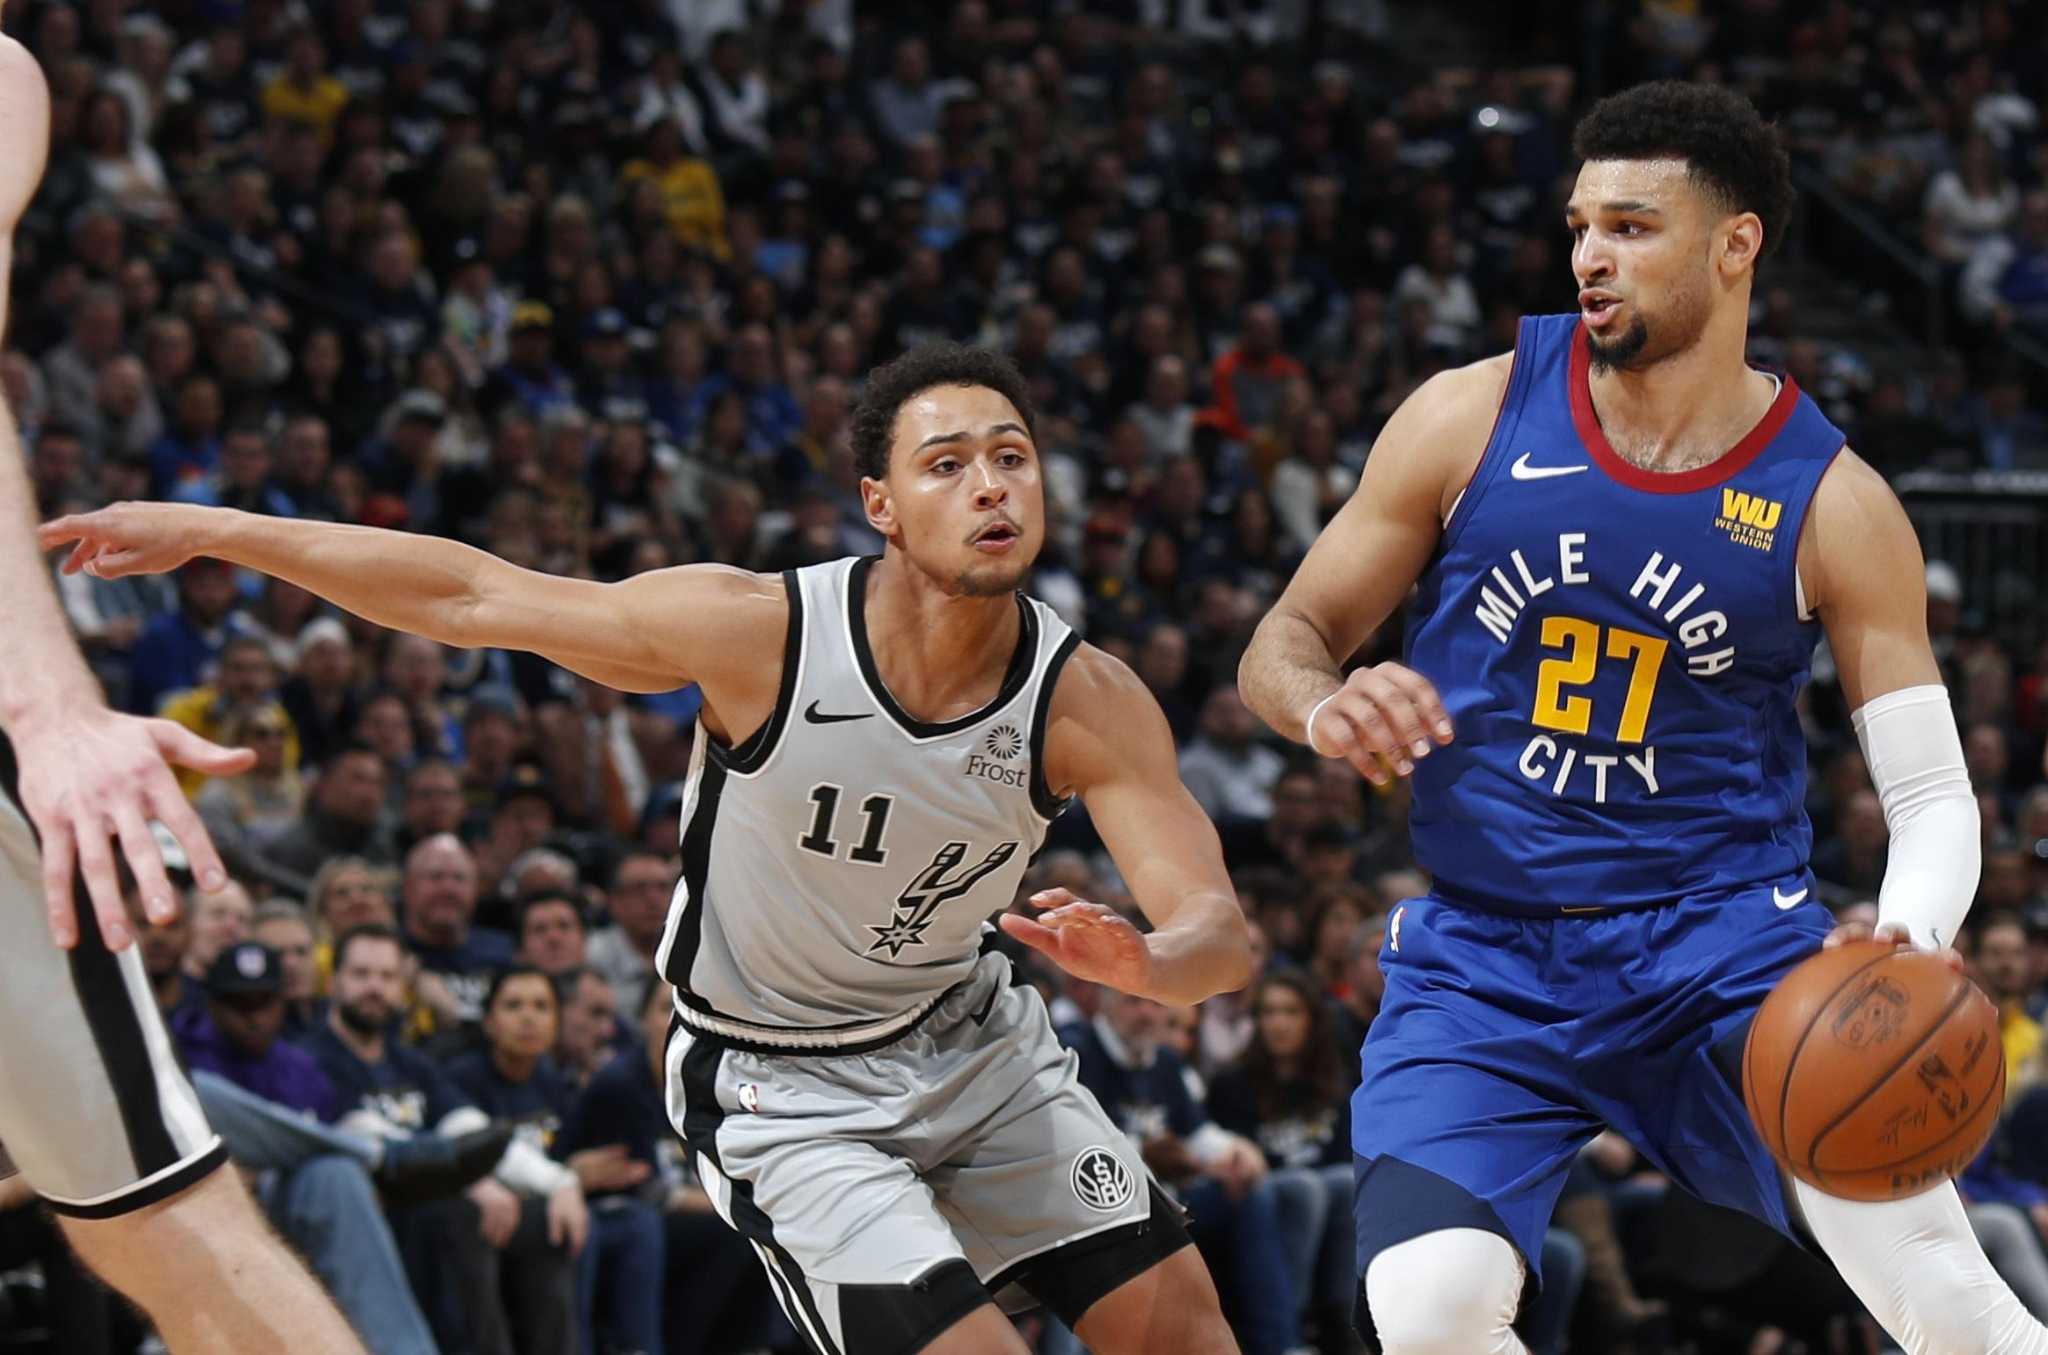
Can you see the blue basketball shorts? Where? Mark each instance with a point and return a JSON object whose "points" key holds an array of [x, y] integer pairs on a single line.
{"points": [[1504, 1044]]}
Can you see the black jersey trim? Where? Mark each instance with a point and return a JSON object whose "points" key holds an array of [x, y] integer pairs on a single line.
{"points": [[110, 1015], [696, 851], [1048, 805], [141, 1197], [1014, 678], [753, 752]]}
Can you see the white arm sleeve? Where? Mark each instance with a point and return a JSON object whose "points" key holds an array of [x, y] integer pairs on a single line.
{"points": [[1916, 762]]}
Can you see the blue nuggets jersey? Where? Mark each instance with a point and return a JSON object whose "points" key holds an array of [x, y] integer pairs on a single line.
{"points": [[1620, 652]]}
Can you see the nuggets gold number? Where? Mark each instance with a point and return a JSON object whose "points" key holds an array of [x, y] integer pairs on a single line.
{"points": [[1648, 653], [1581, 642], [1576, 667]]}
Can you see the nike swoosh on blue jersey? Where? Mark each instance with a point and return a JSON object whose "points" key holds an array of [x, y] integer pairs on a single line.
{"points": [[1522, 470]]}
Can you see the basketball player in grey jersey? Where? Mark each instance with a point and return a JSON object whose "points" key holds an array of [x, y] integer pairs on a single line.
{"points": [[94, 1111], [870, 1098]]}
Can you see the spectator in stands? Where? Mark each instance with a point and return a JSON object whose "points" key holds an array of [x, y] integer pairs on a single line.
{"points": [[1230, 774], [1291, 1095], [641, 887], [551, 931], [283, 927], [324, 1206], [456, 958], [1220, 1176], [345, 817], [320, 695], [2002, 965], [1968, 206], [1851, 863], [177, 649], [1248, 379], [220, 919], [244, 685], [430, 803], [653, 1230], [523, 1288], [125, 171], [590, 1024], [2006, 277]]}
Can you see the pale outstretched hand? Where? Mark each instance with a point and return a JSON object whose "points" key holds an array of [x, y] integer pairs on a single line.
{"points": [[93, 780], [1086, 939]]}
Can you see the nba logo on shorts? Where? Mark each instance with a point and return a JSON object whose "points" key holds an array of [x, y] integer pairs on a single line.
{"points": [[750, 1098], [1101, 1181], [1394, 929]]}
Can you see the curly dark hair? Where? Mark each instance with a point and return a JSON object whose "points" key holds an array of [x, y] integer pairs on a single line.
{"points": [[1731, 152], [923, 367]]}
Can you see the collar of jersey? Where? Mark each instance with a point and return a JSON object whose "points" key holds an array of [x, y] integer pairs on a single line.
{"points": [[1014, 678]]}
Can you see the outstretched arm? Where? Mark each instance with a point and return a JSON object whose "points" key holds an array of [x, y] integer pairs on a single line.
{"points": [[650, 633], [1358, 572], [88, 777], [1109, 743]]}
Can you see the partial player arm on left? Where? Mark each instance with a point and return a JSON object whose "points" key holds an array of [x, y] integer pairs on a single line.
{"points": [[1864, 578], [1109, 743], [90, 780]]}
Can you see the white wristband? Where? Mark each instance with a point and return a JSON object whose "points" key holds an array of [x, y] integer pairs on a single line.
{"points": [[1308, 727]]}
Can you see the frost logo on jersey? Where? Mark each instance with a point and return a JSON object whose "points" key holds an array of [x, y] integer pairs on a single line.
{"points": [[935, 885], [1004, 743], [1102, 1181]]}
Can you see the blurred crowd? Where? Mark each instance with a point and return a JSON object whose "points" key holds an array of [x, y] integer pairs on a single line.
{"points": [[594, 285]]}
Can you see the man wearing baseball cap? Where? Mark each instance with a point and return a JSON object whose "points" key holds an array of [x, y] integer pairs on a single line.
{"points": [[323, 1202]]}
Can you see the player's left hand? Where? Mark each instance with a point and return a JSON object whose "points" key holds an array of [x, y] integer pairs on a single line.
{"points": [[1086, 939], [1894, 932]]}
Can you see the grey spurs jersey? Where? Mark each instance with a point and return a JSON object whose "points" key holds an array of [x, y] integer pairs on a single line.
{"points": [[839, 864]]}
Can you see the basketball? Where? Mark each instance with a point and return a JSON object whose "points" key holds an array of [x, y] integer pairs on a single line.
{"points": [[1874, 1071]]}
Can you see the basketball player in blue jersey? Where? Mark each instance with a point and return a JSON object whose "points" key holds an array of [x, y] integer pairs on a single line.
{"points": [[870, 1100], [1622, 544]]}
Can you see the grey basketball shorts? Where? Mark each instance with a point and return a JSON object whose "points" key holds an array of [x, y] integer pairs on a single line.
{"points": [[890, 1192], [94, 1108]]}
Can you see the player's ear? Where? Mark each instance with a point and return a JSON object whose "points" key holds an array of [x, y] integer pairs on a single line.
{"points": [[879, 507], [1741, 244]]}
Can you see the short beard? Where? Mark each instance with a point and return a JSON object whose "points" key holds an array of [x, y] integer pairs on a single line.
{"points": [[358, 1020], [1616, 354]]}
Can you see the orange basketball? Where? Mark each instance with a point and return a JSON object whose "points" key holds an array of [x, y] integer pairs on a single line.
{"points": [[1874, 1071]]}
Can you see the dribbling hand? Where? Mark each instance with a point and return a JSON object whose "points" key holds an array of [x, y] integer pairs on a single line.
{"points": [[1382, 721], [1894, 932], [1086, 939]]}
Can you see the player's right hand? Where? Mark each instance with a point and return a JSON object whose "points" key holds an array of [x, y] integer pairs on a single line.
{"points": [[1382, 720], [128, 538], [1894, 932], [93, 777]]}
